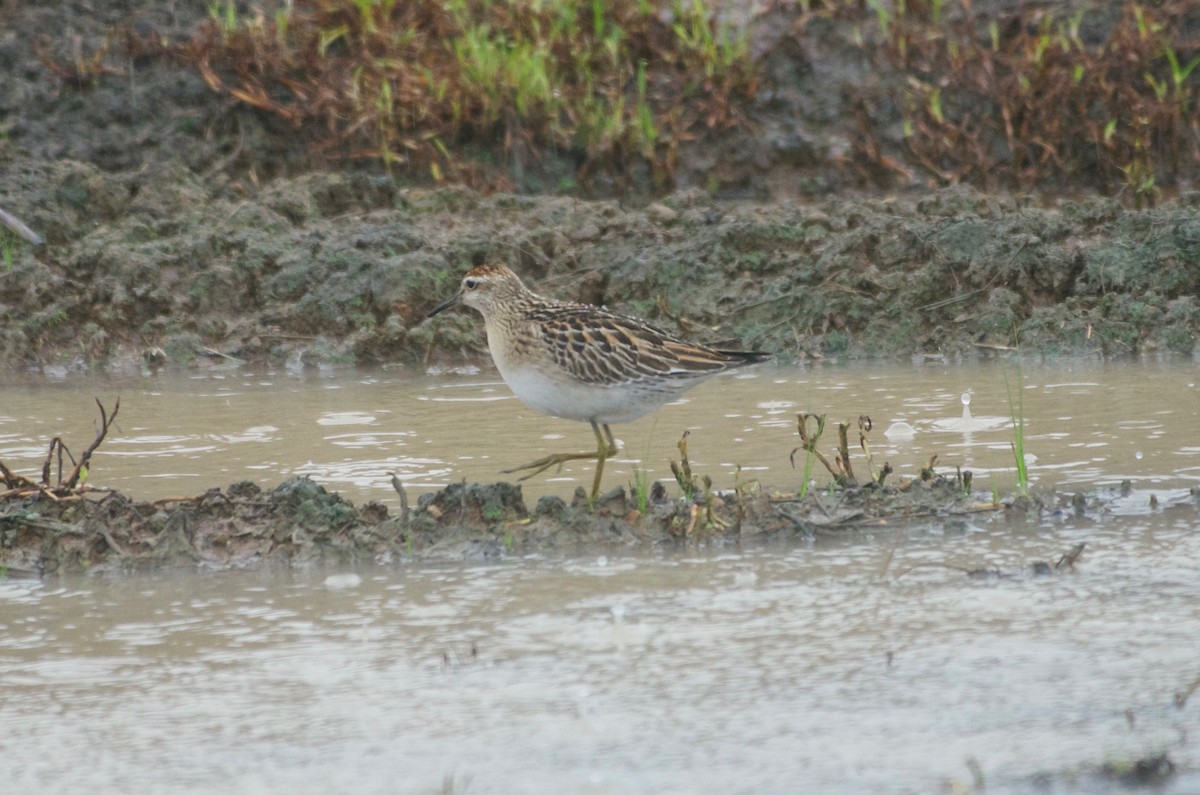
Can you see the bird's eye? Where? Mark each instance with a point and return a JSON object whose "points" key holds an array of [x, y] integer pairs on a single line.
{"points": [[471, 284]]}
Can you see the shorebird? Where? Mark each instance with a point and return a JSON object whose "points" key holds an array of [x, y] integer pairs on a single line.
{"points": [[582, 362]]}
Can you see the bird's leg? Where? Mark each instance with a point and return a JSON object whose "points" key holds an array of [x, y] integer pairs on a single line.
{"points": [[606, 447]]}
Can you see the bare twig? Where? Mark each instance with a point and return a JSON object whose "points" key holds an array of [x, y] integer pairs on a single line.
{"points": [[172, 500], [14, 481], [978, 572], [864, 427], [1067, 561], [19, 228], [105, 421], [399, 487], [56, 446], [847, 478]]}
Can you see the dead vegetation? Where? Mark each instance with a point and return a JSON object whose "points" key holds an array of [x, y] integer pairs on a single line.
{"points": [[438, 88], [73, 484], [1042, 95], [1039, 568], [999, 96], [842, 468]]}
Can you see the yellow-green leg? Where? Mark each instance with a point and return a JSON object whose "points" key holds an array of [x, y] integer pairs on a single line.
{"points": [[606, 447], [603, 451]]}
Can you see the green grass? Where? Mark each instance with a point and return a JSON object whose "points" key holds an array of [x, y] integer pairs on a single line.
{"points": [[808, 443], [1016, 409], [223, 14], [641, 488], [641, 475], [809, 459], [8, 248], [421, 84], [1018, 96]]}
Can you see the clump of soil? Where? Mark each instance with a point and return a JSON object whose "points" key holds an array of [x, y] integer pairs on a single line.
{"points": [[300, 522]]}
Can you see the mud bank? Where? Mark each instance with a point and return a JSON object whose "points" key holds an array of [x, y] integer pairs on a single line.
{"points": [[343, 268], [178, 226], [300, 523]]}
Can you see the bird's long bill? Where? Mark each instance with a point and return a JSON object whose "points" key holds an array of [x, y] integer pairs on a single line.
{"points": [[444, 305]]}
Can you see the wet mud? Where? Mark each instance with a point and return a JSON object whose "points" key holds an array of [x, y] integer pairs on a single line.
{"points": [[300, 523], [165, 269]]}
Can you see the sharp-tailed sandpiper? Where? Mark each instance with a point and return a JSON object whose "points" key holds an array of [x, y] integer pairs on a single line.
{"points": [[583, 362]]}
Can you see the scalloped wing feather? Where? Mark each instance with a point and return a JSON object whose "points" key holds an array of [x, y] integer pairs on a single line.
{"points": [[598, 347]]}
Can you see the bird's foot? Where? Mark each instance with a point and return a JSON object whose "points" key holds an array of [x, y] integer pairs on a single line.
{"points": [[542, 464], [606, 447], [558, 459]]}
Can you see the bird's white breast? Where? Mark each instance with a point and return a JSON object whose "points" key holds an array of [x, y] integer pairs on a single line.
{"points": [[545, 387]]}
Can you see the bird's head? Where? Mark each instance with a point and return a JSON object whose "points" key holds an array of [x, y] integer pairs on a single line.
{"points": [[485, 289]]}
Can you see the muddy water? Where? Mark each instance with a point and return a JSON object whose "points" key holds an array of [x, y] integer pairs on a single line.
{"points": [[797, 669], [839, 666], [1088, 424]]}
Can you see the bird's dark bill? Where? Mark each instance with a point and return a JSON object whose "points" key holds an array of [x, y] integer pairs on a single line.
{"points": [[448, 303]]}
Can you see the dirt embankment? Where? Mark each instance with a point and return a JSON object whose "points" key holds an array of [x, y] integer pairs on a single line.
{"points": [[180, 222], [333, 267]]}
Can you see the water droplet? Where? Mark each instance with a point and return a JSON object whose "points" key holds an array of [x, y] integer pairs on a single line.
{"points": [[1138, 455]]}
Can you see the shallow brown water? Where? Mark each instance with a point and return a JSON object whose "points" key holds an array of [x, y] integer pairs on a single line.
{"points": [[1088, 424], [839, 666], [755, 670]]}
